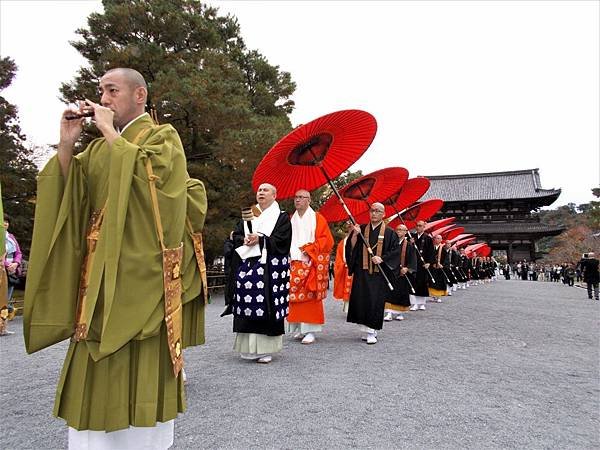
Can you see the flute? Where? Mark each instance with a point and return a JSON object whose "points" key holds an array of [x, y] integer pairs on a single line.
{"points": [[76, 116]]}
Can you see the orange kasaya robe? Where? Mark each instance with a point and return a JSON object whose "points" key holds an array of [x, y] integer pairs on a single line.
{"points": [[309, 281], [342, 282]]}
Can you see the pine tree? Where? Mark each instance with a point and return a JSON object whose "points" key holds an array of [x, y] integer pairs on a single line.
{"points": [[17, 170], [227, 102]]}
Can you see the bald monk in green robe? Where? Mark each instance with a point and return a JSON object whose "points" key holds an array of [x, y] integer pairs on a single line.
{"points": [[97, 270]]}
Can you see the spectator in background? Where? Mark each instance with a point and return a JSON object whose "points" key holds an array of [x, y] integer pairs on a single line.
{"points": [[591, 275], [12, 261], [569, 275]]}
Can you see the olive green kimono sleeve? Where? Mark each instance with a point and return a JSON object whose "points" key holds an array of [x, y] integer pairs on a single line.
{"points": [[193, 288], [57, 252]]}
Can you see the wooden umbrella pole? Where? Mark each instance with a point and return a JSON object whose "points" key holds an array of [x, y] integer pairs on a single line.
{"points": [[413, 242], [351, 217]]}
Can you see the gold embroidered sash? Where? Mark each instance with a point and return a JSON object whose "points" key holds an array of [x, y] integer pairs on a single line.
{"points": [[199, 252], [93, 233], [171, 258]]}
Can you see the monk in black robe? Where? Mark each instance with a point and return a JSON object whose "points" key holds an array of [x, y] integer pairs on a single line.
{"points": [[369, 288], [403, 278], [258, 283], [424, 245]]}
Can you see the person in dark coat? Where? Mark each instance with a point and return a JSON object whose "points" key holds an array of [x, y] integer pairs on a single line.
{"points": [[369, 288], [591, 276]]}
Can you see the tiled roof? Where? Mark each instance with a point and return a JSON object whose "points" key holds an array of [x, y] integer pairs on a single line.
{"points": [[511, 228], [519, 184]]}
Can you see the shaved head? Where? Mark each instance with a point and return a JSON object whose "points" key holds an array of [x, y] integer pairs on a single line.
{"points": [[131, 76]]}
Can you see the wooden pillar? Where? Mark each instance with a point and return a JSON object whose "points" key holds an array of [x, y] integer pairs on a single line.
{"points": [[532, 251], [509, 252]]}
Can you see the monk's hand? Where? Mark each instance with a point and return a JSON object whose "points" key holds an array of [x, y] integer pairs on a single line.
{"points": [[426, 265], [376, 260], [356, 228], [70, 130], [104, 118], [404, 270], [251, 239]]}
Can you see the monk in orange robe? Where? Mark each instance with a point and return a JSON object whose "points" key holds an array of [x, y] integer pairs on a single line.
{"points": [[309, 254], [342, 282]]}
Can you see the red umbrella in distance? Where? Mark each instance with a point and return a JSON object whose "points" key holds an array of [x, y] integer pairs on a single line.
{"points": [[471, 250], [411, 191], [359, 194], [432, 226], [484, 250], [465, 241], [452, 233], [420, 211], [441, 230], [460, 236], [314, 153]]}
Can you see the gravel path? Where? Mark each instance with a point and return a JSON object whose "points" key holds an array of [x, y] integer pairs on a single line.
{"points": [[512, 364]]}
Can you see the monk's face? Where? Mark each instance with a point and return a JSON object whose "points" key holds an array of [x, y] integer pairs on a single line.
{"points": [[121, 97], [376, 212], [265, 196], [420, 226], [302, 201], [401, 231]]}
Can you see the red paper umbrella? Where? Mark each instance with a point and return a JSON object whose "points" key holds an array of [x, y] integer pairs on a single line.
{"points": [[411, 191], [314, 153], [421, 211], [452, 233], [362, 192], [472, 249], [460, 237], [485, 250], [432, 226], [465, 241], [442, 230]]}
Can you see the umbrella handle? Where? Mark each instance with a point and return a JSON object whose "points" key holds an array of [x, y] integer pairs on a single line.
{"points": [[412, 289], [351, 217]]}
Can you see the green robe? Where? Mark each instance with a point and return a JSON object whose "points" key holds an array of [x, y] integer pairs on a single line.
{"points": [[121, 374]]}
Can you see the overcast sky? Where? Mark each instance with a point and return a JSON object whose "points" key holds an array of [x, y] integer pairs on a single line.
{"points": [[456, 87]]}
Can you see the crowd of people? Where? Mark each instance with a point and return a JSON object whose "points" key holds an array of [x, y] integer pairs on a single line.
{"points": [[567, 273], [117, 266]]}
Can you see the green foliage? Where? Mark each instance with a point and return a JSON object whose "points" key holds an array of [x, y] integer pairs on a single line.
{"points": [[17, 170], [227, 102]]}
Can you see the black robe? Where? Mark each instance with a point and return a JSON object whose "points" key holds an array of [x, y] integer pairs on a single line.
{"points": [[369, 291], [278, 246], [422, 279], [465, 266], [438, 272], [448, 267], [455, 264], [401, 294]]}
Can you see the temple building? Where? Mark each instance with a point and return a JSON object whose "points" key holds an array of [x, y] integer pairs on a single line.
{"points": [[497, 208]]}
